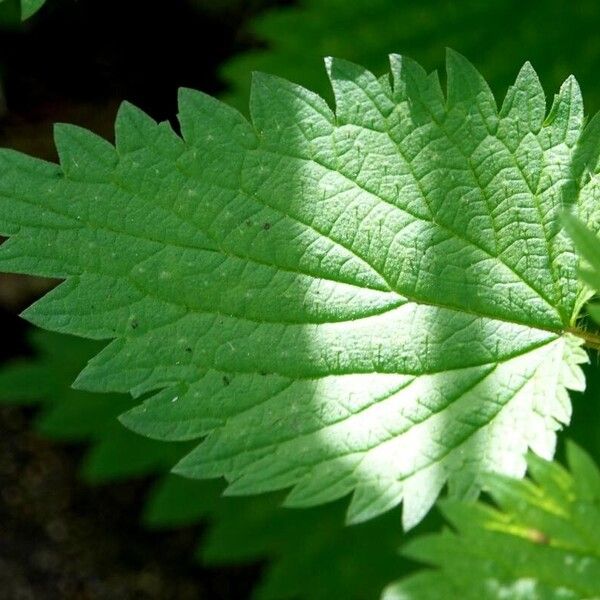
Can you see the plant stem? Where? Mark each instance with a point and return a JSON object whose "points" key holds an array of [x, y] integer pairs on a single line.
{"points": [[590, 339]]}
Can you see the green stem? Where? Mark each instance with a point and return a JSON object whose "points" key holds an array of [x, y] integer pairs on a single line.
{"points": [[590, 339]]}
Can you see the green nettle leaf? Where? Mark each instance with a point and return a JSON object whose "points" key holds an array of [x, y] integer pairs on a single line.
{"points": [[541, 542], [378, 300]]}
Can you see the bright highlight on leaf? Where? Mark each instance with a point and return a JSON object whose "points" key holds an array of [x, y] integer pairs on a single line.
{"points": [[371, 301], [541, 542]]}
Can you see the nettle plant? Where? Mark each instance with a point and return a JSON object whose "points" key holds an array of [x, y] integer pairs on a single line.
{"points": [[378, 301]]}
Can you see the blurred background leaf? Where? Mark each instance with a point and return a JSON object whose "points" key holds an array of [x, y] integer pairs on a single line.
{"points": [[559, 38]]}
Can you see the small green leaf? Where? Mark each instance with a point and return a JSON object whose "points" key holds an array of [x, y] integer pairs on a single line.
{"points": [[541, 541], [588, 246]]}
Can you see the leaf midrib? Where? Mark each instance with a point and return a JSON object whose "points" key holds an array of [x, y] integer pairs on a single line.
{"points": [[410, 299]]}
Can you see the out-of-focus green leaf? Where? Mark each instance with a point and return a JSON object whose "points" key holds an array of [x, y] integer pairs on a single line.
{"points": [[559, 38], [13, 12], [73, 415], [311, 554]]}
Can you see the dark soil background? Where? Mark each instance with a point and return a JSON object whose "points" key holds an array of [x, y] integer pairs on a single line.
{"points": [[63, 540], [75, 61]]}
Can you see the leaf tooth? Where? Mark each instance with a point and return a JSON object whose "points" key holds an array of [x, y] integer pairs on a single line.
{"points": [[466, 86], [286, 113], [83, 155], [525, 100], [360, 98], [366, 504], [203, 119], [566, 118]]}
